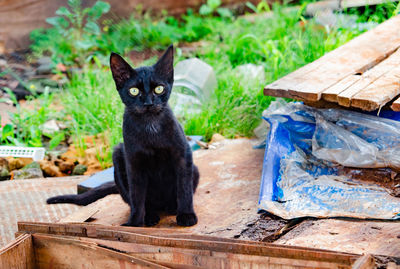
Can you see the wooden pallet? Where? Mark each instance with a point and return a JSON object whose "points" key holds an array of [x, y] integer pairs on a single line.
{"points": [[364, 73], [76, 245]]}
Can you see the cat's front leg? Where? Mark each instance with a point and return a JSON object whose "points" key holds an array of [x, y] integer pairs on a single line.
{"points": [[186, 215], [137, 197]]}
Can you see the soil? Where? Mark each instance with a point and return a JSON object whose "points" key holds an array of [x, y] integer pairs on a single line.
{"points": [[384, 177], [267, 229]]}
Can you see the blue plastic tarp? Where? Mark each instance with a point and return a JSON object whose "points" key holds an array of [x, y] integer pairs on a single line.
{"points": [[305, 151]]}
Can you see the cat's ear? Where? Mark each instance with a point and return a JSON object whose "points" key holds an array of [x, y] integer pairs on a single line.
{"points": [[121, 70], [165, 65]]}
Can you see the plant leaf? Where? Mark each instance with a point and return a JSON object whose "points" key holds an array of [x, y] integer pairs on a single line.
{"points": [[213, 4], [205, 10], [224, 12], [58, 22], [56, 140], [98, 9], [63, 11], [8, 130], [92, 28]]}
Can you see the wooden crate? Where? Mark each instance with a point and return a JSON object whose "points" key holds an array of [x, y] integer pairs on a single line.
{"points": [[77, 245]]}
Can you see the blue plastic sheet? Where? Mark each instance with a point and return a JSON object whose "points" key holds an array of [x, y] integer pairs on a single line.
{"points": [[305, 150]]}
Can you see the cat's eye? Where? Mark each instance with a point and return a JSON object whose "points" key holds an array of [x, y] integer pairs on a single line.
{"points": [[159, 89], [134, 91]]}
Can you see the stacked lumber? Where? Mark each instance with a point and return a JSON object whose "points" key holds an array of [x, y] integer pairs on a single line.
{"points": [[363, 74], [75, 245]]}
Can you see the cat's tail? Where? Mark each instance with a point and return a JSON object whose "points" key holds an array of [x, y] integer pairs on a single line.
{"points": [[86, 198]]}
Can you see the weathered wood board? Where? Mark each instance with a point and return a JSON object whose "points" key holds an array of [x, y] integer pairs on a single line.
{"points": [[354, 236], [225, 201], [396, 105], [26, 200], [364, 73], [316, 7], [98, 246], [18, 254]]}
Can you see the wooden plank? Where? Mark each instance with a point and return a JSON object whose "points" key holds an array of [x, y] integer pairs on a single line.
{"points": [[92, 231], [331, 94], [18, 254], [232, 260], [352, 236], [234, 192], [203, 257], [379, 92], [364, 262], [368, 79], [171, 256], [268, 250], [56, 252], [356, 56], [396, 105], [81, 215], [87, 229], [316, 7]]}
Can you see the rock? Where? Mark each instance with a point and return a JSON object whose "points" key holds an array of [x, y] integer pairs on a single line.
{"points": [[50, 169], [4, 169], [32, 165], [217, 138], [4, 174], [80, 169], [50, 127], [18, 163], [45, 66], [3, 63], [27, 173], [65, 167], [4, 164]]}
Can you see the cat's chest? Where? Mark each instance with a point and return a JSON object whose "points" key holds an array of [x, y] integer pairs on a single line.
{"points": [[152, 128]]}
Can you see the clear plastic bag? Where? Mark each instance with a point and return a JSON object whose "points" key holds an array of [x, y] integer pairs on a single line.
{"points": [[307, 151]]}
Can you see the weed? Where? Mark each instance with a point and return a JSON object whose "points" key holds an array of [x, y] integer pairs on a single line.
{"points": [[212, 7], [76, 35], [26, 127]]}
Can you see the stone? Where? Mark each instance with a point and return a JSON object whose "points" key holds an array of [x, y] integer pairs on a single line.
{"points": [[45, 66], [4, 163], [50, 169], [4, 169], [3, 63], [18, 163], [4, 174], [80, 169], [32, 165], [217, 138], [50, 127], [27, 173], [65, 167]]}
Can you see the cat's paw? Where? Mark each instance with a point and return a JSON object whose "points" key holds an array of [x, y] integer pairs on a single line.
{"points": [[186, 219], [131, 224], [53, 200], [151, 219]]}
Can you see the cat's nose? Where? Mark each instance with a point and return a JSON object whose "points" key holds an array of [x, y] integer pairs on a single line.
{"points": [[148, 101]]}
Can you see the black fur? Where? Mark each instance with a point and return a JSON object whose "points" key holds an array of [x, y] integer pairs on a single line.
{"points": [[154, 170]]}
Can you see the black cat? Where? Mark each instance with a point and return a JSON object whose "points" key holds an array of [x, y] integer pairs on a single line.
{"points": [[154, 170]]}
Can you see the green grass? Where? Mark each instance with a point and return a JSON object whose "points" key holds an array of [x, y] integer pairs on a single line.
{"points": [[281, 44]]}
